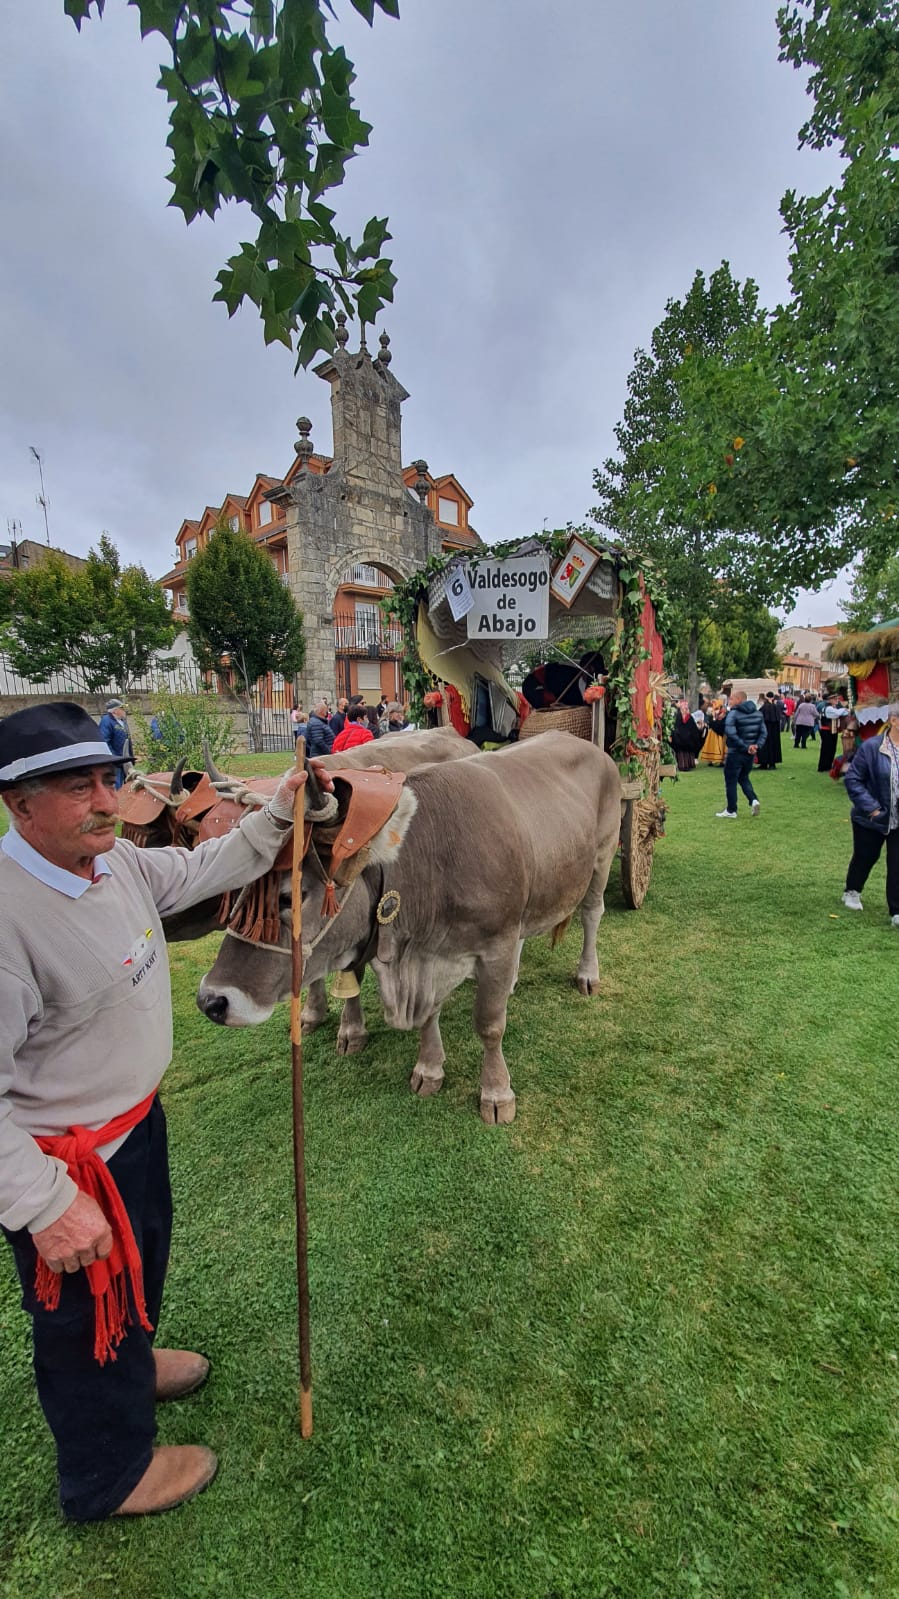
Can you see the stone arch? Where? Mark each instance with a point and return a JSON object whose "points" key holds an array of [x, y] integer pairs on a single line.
{"points": [[396, 566]]}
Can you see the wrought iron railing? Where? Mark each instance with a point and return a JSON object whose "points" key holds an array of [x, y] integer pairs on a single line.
{"points": [[366, 635], [367, 577]]}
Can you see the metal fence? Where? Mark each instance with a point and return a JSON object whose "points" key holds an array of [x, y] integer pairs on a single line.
{"points": [[181, 676], [269, 730]]}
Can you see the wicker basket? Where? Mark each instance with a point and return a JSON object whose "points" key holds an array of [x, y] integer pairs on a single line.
{"points": [[576, 719]]}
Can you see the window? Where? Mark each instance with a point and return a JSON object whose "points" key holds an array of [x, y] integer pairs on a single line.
{"points": [[368, 624], [234, 523], [448, 511], [265, 512], [190, 549], [369, 676]]}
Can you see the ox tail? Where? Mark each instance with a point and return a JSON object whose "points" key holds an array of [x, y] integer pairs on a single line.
{"points": [[558, 933]]}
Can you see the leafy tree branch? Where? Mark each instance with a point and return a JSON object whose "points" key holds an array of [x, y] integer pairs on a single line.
{"points": [[262, 113]]}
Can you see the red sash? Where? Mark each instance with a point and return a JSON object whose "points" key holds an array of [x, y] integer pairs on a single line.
{"points": [[109, 1279]]}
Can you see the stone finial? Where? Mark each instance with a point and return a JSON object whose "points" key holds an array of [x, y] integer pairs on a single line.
{"points": [[385, 355], [341, 335], [363, 347], [422, 486], [303, 446]]}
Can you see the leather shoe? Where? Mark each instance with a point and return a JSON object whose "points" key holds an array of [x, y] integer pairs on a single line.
{"points": [[178, 1372], [176, 1473]]}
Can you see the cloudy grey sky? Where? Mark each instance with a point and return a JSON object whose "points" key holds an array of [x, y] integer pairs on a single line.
{"points": [[552, 174]]}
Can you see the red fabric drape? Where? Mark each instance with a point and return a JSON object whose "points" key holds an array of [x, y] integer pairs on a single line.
{"points": [[651, 667], [109, 1279]]}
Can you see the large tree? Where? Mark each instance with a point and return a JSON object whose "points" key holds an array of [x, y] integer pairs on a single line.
{"points": [[874, 596], [241, 610], [737, 638], [831, 425], [262, 114], [681, 487], [103, 622]]}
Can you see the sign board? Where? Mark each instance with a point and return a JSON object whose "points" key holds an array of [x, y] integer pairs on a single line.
{"points": [[510, 599], [458, 592], [573, 571]]}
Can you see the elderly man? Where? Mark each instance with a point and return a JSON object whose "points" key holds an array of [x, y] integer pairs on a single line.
{"points": [[319, 737], [114, 732], [87, 1035]]}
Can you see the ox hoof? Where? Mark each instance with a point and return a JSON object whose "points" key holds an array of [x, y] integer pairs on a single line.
{"points": [[588, 986], [311, 1024], [351, 1043], [425, 1083], [497, 1110]]}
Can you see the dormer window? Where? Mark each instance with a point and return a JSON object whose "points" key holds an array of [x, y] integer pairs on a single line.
{"points": [[234, 523], [265, 512], [190, 549], [448, 511]]}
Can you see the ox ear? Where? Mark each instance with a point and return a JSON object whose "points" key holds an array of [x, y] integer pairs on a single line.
{"points": [[387, 843]]}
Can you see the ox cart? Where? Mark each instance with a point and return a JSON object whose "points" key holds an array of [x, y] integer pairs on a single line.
{"points": [[561, 631]]}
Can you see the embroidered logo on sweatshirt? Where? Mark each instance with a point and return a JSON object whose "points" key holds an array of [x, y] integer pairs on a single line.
{"points": [[141, 957], [138, 949]]}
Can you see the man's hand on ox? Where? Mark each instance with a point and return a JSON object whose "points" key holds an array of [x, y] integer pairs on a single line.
{"points": [[281, 802], [80, 1236]]}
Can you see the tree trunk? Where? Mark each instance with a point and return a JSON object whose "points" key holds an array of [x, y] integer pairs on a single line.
{"points": [[692, 668]]}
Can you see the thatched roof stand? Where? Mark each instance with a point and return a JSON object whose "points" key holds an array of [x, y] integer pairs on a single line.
{"points": [[878, 644]]}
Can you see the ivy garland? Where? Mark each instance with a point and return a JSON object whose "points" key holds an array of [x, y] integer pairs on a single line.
{"points": [[637, 578]]}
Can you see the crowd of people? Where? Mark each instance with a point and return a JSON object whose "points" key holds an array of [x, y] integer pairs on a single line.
{"points": [[700, 735], [740, 734], [353, 722]]}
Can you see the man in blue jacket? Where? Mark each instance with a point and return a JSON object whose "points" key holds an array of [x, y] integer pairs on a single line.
{"points": [[872, 782], [744, 735], [319, 737], [114, 730]]}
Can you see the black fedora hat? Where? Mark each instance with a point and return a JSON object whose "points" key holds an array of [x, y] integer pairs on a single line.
{"points": [[58, 737]]}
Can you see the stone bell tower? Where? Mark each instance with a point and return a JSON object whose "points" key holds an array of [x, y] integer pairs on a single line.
{"points": [[359, 511]]}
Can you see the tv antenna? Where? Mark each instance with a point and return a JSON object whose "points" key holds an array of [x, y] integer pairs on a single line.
{"points": [[41, 499]]}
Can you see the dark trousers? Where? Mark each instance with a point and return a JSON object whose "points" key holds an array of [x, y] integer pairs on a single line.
{"points": [[800, 737], [103, 1417], [828, 750], [867, 845], [737, 768]]}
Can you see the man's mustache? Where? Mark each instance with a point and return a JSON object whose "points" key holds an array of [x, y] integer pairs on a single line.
{"points": [[99, 823]]}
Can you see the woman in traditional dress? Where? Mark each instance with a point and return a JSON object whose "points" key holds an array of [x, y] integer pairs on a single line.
{"points": [[686, 739], [714, 749], [770, 754]]}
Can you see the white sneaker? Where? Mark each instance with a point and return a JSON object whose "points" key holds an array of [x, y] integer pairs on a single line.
{"points": [[755, 808], [852, 901], [894, 920], [730, 815]]}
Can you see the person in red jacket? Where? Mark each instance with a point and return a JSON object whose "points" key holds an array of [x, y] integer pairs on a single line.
{"points": [[355, 731]]}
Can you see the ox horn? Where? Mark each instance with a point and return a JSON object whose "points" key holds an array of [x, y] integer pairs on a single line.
{"points": [[212, 770], [176, 787]]}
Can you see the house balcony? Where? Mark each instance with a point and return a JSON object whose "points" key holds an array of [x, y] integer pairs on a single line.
{"points": [[372, 637], [365, 577]]}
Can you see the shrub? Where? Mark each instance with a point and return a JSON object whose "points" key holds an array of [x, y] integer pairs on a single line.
{"points": [[183, 723]]}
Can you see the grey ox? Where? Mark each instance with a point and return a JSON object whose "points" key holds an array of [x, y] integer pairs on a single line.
{"points": [[478, 856], [397, 752]]}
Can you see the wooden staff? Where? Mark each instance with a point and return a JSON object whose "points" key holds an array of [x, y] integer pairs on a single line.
{"points": [[299, 1137]]}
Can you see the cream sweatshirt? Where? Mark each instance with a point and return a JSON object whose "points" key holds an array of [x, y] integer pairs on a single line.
{"points": [[85, 998]]}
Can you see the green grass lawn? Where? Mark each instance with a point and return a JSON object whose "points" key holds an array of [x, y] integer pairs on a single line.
{"points": [[641, 1343]]}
